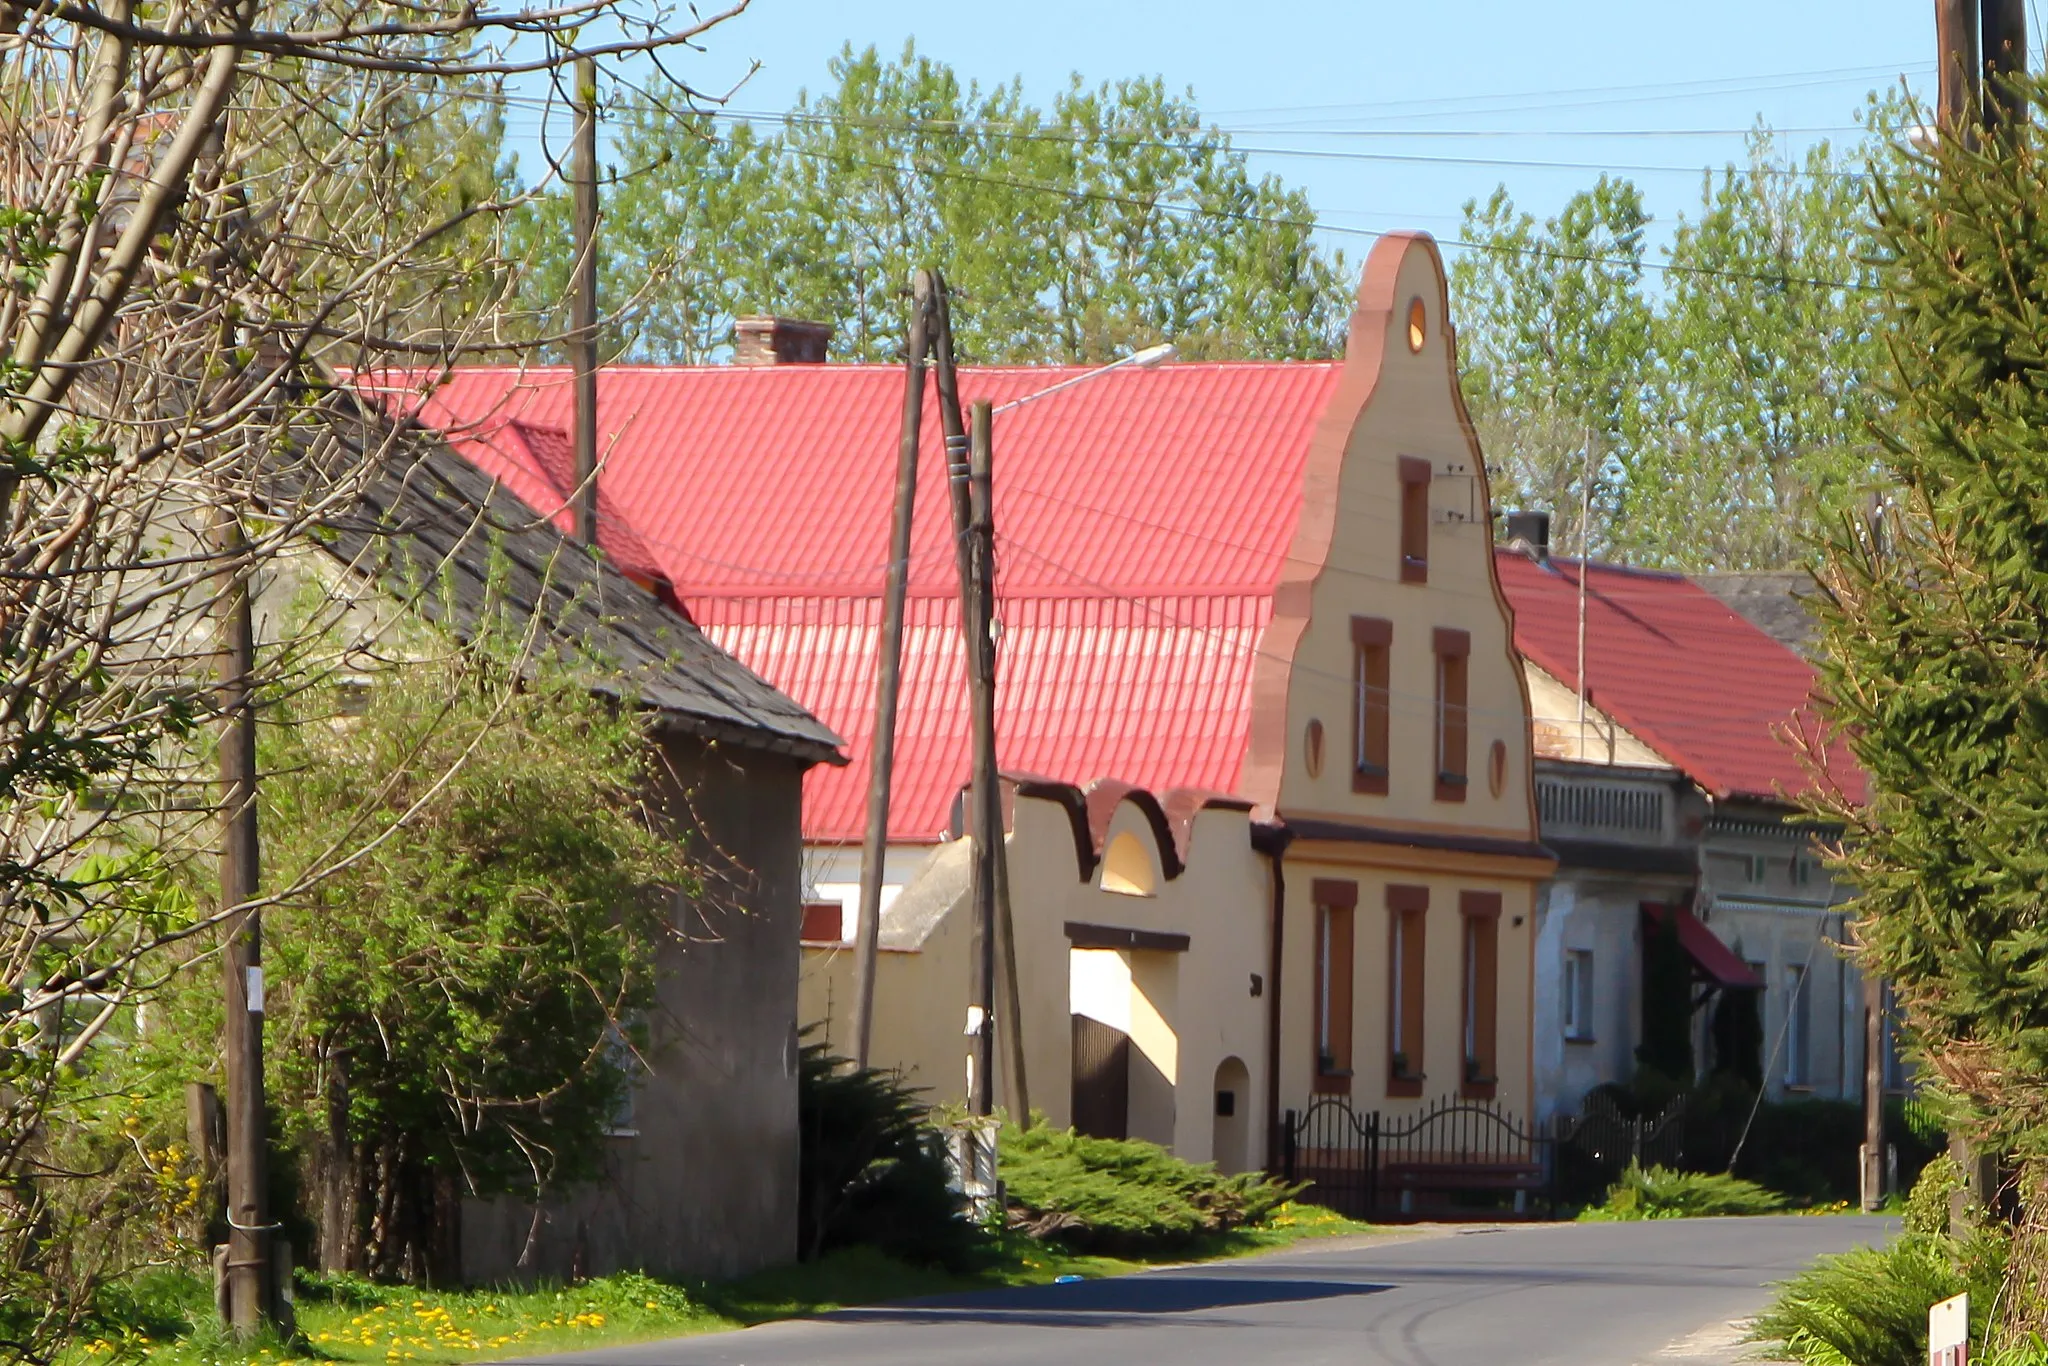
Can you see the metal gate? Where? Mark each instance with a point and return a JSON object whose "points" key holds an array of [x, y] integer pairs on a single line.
{"points": [[1102, 1079], [1452, 1158]]}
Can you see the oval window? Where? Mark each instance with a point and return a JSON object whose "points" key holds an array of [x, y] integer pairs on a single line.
{"points": [[1312, 749], [1418, 324], [1497, 768]]}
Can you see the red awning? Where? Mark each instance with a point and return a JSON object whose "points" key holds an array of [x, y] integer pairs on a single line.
{"points": [[1716, 961]]}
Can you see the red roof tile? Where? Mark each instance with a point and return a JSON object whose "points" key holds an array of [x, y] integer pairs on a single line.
{"points": [[1143, 519], [1715, 696]]}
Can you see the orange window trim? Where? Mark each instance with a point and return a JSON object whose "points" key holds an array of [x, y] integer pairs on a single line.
{"points": [[1407, 952], [1453, 723], [1372, 640], [1415, 476], [1336, 904], [1480, 1017]]}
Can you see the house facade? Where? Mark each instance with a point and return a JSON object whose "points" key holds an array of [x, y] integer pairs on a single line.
{"points": [[1669, 775], [1265, 735], [701, 1172]]}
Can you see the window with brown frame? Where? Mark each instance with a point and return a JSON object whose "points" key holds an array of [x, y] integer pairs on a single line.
{"points": [[1407, 951], [823, 923], [1336, 907], [1480, 912], [1453, 654], [1372, 642], [1415, 476]]}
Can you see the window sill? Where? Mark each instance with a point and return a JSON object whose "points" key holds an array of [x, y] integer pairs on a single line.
{"points": [[1450, 789], [622, 1133], [1370, 779], [1801, 1088], [1414, 570], [1580, 1038]]}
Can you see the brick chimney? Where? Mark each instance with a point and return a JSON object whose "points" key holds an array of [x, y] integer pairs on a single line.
{"points": [[1529, 532], [779, 341]]}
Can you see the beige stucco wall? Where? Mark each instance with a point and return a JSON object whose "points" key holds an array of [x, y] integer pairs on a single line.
{"points": [[1188, 1013], [1443, 986], [1397, 401], [1554, 722]]}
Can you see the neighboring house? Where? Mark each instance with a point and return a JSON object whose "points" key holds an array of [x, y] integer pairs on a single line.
{"points": [[702, 1174], [1267, 735], [1669, 786]]}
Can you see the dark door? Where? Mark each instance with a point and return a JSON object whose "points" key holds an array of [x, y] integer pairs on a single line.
{"points": [[1102, 1079]]}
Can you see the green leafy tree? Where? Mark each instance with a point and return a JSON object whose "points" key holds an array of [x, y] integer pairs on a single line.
{"points": [[1719, 408], [1554, 333], [452, 1012], [1765, 341], [1112, 219], [1935, 623]]}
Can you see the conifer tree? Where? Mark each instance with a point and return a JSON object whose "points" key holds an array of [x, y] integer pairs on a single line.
{"points": [[1935, 622]]}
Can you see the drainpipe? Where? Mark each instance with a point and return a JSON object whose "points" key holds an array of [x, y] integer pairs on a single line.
{"points": [[1272, 841]]}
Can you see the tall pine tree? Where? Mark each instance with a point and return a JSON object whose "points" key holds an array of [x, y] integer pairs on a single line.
{"points": [[1936, 630]]}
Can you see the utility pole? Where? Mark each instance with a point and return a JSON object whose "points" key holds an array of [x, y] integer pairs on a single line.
{"points": [[994, 940], [2002, 44], [889, 674], [249, 1277], [583, 299], [1955, 40], [1872, 1182]]}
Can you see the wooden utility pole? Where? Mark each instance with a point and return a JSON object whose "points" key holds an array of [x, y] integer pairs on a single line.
{"points": [[994, 943], [889, 673], [1955, 39], [2002, 45], [249, 1277], [1873, 1092], [583, 299]]}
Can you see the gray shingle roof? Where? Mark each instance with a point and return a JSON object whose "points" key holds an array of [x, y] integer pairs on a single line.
{"points": [[457, 543], [1772, 601]]}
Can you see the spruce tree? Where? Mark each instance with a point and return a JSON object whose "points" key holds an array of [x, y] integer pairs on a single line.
{"points": [[1935, 622]]}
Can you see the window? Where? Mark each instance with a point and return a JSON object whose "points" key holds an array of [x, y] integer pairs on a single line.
{"points": [[1480, 912], [1414, 520], [1453, 654], [823, 922], [1371, 649], [1797, 1030], [1578, 995], [1407, 910], [1127, 867], [620, 1055], [1802, 870], [1336, 904]]}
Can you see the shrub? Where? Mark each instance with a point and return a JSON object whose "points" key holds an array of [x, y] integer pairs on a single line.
{"points": [[1660, 1193], [873, 1171], [1869, 1307], [1124, 1196], [1927, 1203]]}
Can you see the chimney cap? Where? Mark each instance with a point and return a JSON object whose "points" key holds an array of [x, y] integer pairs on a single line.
{"points": [[767, 340], [1529, 532]]}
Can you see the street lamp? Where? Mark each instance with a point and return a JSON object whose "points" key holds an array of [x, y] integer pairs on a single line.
{"points": [[1137, 360]]}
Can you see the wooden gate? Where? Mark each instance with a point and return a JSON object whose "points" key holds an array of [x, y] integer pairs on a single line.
{"points": [[1102, 1079]]}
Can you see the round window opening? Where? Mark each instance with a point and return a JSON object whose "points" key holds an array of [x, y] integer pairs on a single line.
{"points": [[1312, 749], [1418, 324], [1497, 768]]}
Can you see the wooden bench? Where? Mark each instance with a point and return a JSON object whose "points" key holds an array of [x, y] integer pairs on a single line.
{"points": [[1407, 1178]]}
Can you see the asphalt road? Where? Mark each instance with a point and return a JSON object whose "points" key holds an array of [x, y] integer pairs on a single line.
{"points": [[1643, 1294]]}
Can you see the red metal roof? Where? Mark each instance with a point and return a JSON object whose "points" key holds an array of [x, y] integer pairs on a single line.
{"points": [[1715, 696], [1143, 520]]}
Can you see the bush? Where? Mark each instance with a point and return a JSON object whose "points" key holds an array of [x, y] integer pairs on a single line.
{"points": [[1660, 1193], [1124, 1196], [1869, 1307], [873, 1171]]}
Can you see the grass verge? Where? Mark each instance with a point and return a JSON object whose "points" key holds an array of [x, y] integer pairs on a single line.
{"points": [[347, 1319]]}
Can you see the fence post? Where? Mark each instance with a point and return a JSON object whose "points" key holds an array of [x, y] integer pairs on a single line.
{"points": [[1287, 1144], [1372, 1164]]}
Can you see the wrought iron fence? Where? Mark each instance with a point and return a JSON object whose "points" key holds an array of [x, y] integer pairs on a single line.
{"points": [[1458, 1157]]}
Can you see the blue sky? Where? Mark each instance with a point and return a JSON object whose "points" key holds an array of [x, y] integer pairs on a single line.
{"points": [[1427, 105]]}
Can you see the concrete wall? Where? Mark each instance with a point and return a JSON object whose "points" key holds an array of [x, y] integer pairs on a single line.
{"points": [[703, 1182], [1187, 1013]]}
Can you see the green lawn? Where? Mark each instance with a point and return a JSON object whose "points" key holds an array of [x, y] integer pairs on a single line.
{"points": [[345, 1319]]}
